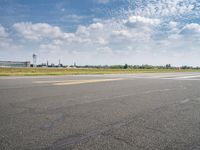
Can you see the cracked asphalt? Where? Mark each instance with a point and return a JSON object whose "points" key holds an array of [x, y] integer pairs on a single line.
{"points": [[101, 112]]}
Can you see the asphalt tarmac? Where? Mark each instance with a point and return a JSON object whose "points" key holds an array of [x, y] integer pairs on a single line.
{"points": [[101, 112]]}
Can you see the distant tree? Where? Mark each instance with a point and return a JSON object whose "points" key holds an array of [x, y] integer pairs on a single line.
{"points": [[168, 66], [116, 67], [186, 67], [125, 66]]}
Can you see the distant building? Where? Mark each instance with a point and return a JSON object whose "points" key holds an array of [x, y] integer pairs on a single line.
{"points": [[15, 64]]}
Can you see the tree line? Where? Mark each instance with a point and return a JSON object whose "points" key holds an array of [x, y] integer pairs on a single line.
{"points": [[125, 66], [145, 66]]}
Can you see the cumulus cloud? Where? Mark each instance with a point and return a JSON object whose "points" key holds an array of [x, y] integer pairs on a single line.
{"points": [[6, 42], [134, 21], [38, 31], [173, 24], [135, 28], [96, 26], [4, 39], [144, 33], [127, 36], [104, 50], [190, 29], [94, 33], [102, 33], [190, 34], [3, 32], [73, 18], [156, 31], [122, 33]]}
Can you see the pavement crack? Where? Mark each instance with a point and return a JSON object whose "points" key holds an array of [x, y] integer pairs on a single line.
{"points": [[156, 130], [53, 122], [121, 140], [72, 140], [69, 141], [125, 141]]}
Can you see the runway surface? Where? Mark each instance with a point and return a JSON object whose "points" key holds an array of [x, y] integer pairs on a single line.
{"points": [[101, 112]]}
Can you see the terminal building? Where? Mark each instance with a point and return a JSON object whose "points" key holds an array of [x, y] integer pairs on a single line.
{"points": [[14, 64]]}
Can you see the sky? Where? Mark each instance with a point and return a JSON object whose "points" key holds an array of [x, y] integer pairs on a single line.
{"points": [[101, 32]]}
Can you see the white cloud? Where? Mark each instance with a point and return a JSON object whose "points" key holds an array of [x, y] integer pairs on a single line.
{"points": [[104, 50], [173, 24], [38, 31], [3, 32], [127, 36], [166, 7], [128, 39], [73, 18], [149, 32], [190, 34], [191, 28], [94, 33], [122, 33], [103, 1], [99, 33], [135, 28], [62, 10], [139, 20], [6, 42], [96, 26], [49, 47]]}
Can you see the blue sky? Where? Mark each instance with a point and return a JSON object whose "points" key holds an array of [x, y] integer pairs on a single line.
{"points": [[100, 32]]}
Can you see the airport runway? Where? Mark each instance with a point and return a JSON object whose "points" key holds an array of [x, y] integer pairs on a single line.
{"points": [[101, 112]]}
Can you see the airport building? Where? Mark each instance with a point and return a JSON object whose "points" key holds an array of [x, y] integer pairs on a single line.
{"points": [[15, 64]]}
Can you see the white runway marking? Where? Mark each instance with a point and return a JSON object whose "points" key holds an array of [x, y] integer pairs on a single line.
{"points": [[185, 101], [163, 90], [182, 79], [188, 77], [171, 77]]}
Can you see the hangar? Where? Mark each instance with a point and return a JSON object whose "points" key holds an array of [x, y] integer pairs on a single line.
{"points": [[15, 64]]}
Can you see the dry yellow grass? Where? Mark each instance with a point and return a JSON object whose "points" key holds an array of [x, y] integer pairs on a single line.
{"points": [[64, 71]]}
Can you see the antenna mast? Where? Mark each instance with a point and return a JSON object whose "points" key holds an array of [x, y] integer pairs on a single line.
{"points": [[34, 60]]}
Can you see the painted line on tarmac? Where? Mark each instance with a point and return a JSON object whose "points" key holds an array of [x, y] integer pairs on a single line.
{"points": [[188, 77], [188, 100], [168, 76], [181, 79], [171, 77], [185, 101], [87, 81], [57, 81]]}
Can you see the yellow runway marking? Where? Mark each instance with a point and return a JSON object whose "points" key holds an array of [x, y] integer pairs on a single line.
{"points": [[40, 82], [86, 81], [72, 82]]}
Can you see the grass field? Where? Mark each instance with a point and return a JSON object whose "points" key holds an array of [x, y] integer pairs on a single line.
{"points": [[63, 71]]}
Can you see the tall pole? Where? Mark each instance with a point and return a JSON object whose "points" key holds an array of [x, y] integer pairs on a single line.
{"points": [[34, 60]]}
